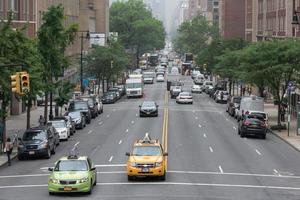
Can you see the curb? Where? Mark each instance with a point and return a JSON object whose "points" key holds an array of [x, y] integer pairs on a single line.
{"points": [[13, 157], [287, 142]]}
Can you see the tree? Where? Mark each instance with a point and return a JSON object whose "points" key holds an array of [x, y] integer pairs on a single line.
{"points": [[137, 29], [53, 39], [64, 90]]}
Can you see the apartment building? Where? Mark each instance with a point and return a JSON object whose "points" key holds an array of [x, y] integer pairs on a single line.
{"points": [[232, 19]]}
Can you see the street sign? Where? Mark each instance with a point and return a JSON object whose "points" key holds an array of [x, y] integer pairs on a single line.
{"points": [[291, 86]]}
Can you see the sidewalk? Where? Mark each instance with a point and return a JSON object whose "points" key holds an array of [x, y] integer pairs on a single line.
{"points": [[293, 139]]}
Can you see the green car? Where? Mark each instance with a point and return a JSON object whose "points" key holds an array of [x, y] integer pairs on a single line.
{"points": [[72, 174]]}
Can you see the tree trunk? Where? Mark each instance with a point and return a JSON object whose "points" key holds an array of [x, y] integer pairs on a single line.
{"points": [[137, 58], [46, 107], [103, 82], [233, 83], [261, 91], [98, 90], [3, 120], [230, 84], [29, 105]]}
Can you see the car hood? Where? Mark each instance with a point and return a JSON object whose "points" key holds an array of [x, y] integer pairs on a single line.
{"points": [[148, 108], [69, 175], [30, 142], [146, 159], [61, 129]]}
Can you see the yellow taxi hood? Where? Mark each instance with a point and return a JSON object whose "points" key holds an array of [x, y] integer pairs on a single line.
{"points": [[145, 159]]}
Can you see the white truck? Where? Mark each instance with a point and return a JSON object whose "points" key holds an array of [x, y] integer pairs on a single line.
{"points": [[249, 104], [134, 87]]}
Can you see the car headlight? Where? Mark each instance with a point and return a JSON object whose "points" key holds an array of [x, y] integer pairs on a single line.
{"points": [[158, 164], [43, 145], [133, 164], [52, 180], [64, 132], [83, 180]]}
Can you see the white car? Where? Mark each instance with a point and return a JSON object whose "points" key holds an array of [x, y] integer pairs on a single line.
{"points": [[160, 78], [221, 96], [184, 97], [61, 128], [196, 89]]}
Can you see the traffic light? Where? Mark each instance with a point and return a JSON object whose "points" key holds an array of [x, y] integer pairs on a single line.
{"points": [[15, 83], [24, 82]]}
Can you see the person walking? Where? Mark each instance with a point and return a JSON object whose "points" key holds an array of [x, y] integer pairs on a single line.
{"points": [[41, 120], [282, 113], [8, 149]]}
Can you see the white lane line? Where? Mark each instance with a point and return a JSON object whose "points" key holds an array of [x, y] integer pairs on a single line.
{"points": [[126, 131], [90, 131], [77, 143], [100, 123], [234, 128], [132, 122], [211, 149], [111, 165], [276, 172], [110, 159], [196, 118], [221, 170], [204, 135], [227, 119], [199, 126], [257, 152], [136, 115], [169, 183], [194, 111], [120, 142], [107, 116]]}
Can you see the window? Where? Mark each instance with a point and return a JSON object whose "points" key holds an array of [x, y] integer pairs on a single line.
{"points": [[13, 5], [26, 10]]}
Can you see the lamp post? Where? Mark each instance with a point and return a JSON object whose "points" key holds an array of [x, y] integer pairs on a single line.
{"points": [[81, 56]]}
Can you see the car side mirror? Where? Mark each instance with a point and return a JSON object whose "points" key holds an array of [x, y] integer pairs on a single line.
{"points": [[93, 169], [50, 169], [165, 154], [127, 154]]}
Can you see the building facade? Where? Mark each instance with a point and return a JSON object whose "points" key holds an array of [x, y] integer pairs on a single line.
{"points": [[232, 19]]}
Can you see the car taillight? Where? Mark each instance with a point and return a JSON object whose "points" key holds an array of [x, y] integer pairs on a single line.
{"points": [[246, 123]]}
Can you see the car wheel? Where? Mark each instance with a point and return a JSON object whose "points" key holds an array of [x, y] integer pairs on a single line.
{"points": [[130, 178], [263, 136], [242, 134], [91, 188], [48, 155], [95, 182], [51, 193], [239, 132], [163, 177], [53, 150]]}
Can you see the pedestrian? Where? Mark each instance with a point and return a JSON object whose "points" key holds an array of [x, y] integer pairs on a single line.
{"points": [[42, 120], [8, 150], [282, 113]]}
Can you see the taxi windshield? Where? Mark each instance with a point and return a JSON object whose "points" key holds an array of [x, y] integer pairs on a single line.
{"points": [[71, 165], [146, 151]]}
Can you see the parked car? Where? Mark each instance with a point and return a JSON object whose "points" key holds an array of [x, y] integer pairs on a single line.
{"points": [[37, 142], [221, 96], [69, 122], [261, 113], [196, 89], [252, 125], [233, 103], [109, 97], [91, 99], [195, 73], [82, 106], [249, 103], [184, 97], [148, 108], [175, 91], [61, 128], [116, 90], [100, 105], [122, 89], [78, 118]]}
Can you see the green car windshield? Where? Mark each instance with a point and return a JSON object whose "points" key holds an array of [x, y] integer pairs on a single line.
{"points": [[71, 165]]}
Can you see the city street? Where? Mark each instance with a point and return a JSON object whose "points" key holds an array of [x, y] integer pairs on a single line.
{"points": [[207, 159]]}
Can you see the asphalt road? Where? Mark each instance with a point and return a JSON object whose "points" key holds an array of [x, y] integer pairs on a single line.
{"points": [[207, 159]]}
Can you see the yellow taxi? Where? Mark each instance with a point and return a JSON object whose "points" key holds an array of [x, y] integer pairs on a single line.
{"points": [[147, 158]]}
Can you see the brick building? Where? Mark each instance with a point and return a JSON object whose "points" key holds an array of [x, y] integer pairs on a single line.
{"points": [[232, 19]]}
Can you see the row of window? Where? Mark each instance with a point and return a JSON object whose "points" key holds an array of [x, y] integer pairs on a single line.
{"points": [[20, 9], [271, 24], [271, 5]]}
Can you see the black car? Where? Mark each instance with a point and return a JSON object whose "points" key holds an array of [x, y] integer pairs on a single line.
{"points": [[82, 106], [252, 125], [148, 108], [233, 103], [78, 119], [109, 97], [93, 104], [115, 90], [38, 142], [122, 89]]}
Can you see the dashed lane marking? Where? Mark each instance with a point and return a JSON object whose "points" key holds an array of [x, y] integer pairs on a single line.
{"points": [[90, 131], [110, 159], [211, 149], [258, 152], [107, 116], [196, 118], [204, 135], [221, 170], [234, 128], [132, 122], [120, 142], [126, 131], [100, 123], [199, 126]]}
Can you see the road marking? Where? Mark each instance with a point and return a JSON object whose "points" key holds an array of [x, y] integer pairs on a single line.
{"points": [[132, 122], [257, 152], [76, 144], [120, 142], [221, 170], [211, 150], [276, 172], [110, 159], [169, 183], [194, 111], [199, 126], [126, 131], [136, 115], [114, 110], [107, 116], [100, 123], [204, 135], [90, 131], [196, 118], [111, 165], [227, 119], [234, 128]]}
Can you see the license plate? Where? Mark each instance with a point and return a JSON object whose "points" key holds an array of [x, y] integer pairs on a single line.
{"points": [[148, 113], [31, 152], [145, 170], [67, 189]]}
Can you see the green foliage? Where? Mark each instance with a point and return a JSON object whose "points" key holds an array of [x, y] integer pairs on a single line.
{"points": [[64, 90], [136, 27]]}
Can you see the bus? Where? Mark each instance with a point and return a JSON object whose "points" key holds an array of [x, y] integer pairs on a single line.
{"points": [[153, 60]]}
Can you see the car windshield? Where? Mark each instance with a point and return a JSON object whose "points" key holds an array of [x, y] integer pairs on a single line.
{"points": [[256, 116], [263, 115], [71, 165], [146, 151], [185, 94], [133, 85], [34, 135], [74, 114], [80, 106], [148, 104], [90, 101], [58, 124], [237, 100]]}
